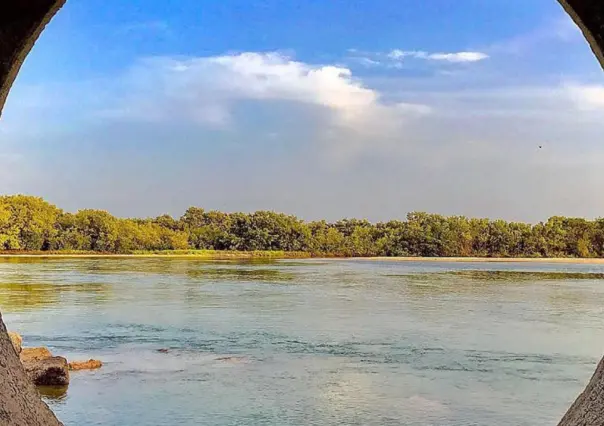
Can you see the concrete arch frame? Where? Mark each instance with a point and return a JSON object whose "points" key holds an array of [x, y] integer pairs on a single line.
{"points": [[22, 22]]}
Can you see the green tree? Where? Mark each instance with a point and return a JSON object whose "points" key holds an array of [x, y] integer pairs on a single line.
{"points": [[30, 224], [98, 227]]}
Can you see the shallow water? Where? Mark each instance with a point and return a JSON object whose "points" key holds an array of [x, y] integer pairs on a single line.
{"points": [[311, 342]]}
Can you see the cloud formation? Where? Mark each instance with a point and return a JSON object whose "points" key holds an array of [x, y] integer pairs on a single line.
{"points": [[396, 57], [587, 97], [454, 57], [208, 91]]}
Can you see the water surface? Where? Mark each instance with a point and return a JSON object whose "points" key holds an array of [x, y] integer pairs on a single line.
{"points": [[311, 342]]}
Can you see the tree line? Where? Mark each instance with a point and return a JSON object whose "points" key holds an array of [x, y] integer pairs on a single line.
{"points": [[31, 224]]}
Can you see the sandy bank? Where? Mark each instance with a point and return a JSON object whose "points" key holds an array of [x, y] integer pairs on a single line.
{"points": [[217, 255]]}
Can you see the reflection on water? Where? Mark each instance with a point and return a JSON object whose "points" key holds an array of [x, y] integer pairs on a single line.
{"points": [[317, 342], [513, 276], [54, 394], [239, 273], [16, 297], [527, 275]]}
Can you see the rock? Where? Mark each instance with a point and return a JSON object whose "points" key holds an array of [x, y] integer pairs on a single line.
{"points": [[16, 340], [163, 351], [52, 371], [34, 354], [91, 364], [44, 369]]}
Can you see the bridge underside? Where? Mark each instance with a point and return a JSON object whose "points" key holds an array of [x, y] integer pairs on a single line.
{"points": [[22, 21]]}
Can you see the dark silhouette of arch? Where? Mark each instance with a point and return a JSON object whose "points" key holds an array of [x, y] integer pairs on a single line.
{"points": [[22, 21]]}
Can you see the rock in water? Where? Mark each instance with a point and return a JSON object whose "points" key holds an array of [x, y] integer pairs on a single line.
{"points": [[34, 354], [91, 364], [52, 371], [44, 369], [16, 340]]}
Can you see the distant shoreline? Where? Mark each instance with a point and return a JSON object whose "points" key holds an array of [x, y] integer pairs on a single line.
{"points": [[191, 254], [276, 255]]}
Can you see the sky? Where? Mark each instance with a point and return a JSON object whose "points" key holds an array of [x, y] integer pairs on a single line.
{"points": [[322, 109]]}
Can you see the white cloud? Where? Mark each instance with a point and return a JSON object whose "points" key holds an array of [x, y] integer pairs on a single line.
{"points": [[459, 56], [397, 57], [368, 62], [207, 91], [455, 57], [401, 54], [586, 97]]}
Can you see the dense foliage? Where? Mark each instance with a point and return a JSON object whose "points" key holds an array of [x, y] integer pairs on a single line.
{"points": [[31, 224]]}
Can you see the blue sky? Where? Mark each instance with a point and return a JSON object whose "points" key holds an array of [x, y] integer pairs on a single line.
{"points": [[316, 108]]}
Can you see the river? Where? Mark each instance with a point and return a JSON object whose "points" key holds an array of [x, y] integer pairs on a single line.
{"points": [[311, 342]]}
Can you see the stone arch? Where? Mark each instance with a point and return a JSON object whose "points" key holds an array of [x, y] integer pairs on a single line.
{"points": [[22, 22], [589, 17]]}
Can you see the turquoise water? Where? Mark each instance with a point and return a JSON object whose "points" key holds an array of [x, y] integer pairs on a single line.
{"points": [[311, 342]]}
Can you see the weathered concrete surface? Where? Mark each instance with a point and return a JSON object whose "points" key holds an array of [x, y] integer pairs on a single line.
{"points": [[21, 22], [17, 341], [588, 409], [20, 403], [589, 16]]}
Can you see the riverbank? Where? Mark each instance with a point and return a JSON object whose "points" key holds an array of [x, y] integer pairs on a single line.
{"points": [[196, 254], [276, 255]]}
